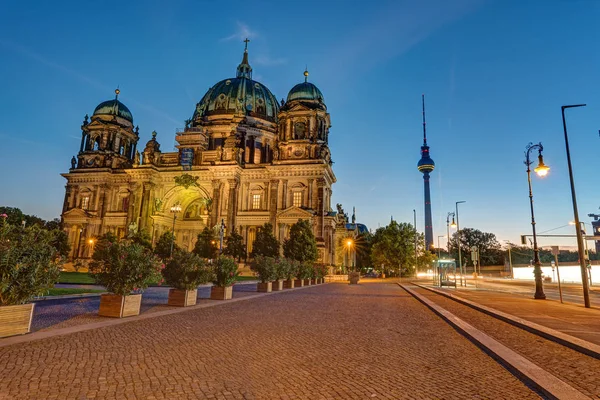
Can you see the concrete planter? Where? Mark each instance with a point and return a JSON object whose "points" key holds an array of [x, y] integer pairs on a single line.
{"points": [[289, 284], [182, 298], [277, 286], [117, 306], [15, 320], [354, 277], [265, 287], [221, 292], [299, 283]]}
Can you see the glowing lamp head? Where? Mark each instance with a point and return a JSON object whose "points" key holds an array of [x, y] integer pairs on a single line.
{"points": [[91, 241], [453, 224], [542, 169]]}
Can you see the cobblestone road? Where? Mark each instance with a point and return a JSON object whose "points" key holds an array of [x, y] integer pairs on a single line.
{"points": [[325, 342]]}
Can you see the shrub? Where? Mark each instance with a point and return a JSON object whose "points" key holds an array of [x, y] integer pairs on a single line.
{"points": [[185, 271], [123, 267], [282, 266], [28, 262], [265, 268], [292, 270], [225, 270], [304, 270], [322, 270]]}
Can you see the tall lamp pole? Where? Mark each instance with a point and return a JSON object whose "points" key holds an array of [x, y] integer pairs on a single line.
{"points": [[458, 243], [415, 219], [584, 278], [174, 209], [541, 170], [221, 234], [439, 248]]}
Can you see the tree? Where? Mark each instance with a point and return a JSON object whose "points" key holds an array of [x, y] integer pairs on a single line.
{"points": [[490, 252], [15, 217], [163, 245], [363, 245], [301, 245], [234, 245], [394, 248], [206, 245], [265, 243], [142, 237]]}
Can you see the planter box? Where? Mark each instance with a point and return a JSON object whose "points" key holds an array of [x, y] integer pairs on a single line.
{"points": [[117, 306], [264, 287], [221, 292], [15, 320], [288, 284], [182, 298], [299, 282], [309, 282], [354, 278], [277, 286]]}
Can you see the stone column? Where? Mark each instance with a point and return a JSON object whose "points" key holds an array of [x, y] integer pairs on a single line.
{"points": [[232, 206], [311, 183], [320, 208], [284, 194], [273, 189], [216, 203]]}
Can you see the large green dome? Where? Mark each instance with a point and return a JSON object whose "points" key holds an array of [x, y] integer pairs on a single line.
{"points": [[239, 95], [114, 107], [305, 91]]}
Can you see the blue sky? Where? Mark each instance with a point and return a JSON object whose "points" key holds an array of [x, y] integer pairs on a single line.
{"points": [[494, 73]]}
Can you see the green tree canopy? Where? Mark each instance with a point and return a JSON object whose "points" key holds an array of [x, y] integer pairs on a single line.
{"points": [[234, 245], [163, 245], [206, 245], [393, 247], [490, 252], [301, 245], [265, 243]]}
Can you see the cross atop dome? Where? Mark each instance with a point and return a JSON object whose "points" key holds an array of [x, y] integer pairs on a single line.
{"points": [[244, 70]]}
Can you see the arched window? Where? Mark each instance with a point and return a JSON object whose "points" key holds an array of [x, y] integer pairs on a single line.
{"points": [[196, 210], [299, 130], [97, 144]]}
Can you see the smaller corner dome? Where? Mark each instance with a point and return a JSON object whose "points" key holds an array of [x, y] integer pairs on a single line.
{"points": [[305, 91], [114, 107]]}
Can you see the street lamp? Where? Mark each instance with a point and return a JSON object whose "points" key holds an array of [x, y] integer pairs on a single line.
{"points": [[439, 248], [587, 253], [416, 238], [458, 243], [221, 234], [584, 279], [510, 259], [349, 243], [174, 209], [91, 243], [541, 170]]}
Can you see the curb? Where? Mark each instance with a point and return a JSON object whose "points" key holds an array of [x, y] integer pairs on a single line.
{"points": [[67, 296], [39, 335], [527, 371], [580, 345]]}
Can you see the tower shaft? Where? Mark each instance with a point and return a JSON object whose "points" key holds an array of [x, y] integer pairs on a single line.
{"points": [[428, 219]]}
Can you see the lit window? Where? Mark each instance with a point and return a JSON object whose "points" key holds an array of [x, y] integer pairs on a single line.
{"points": [[85, 202], [297, 199], [256, 202]]}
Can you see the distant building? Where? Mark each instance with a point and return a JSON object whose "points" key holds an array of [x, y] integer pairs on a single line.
{"points": [[243, 158]]}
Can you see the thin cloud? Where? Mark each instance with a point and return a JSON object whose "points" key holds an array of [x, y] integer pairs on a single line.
{"points": [[242, 32], [268, 61]]}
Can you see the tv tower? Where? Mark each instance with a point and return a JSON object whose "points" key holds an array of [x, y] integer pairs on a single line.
{"points": [[426, 166]]}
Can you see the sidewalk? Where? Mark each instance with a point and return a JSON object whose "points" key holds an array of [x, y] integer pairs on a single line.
{"points": [[571, 319]]}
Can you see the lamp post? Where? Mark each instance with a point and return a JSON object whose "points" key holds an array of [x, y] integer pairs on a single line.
{"points": [[174, 209], [541, 170], [586, 251], [439, 248], [510, 259], [584, 281], [221, 234], [415, 220], [349, 243], [91, 242], [458, 244]]}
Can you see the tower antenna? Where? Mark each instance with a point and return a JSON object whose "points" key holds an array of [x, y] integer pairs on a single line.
{"points": [[424, 123]]}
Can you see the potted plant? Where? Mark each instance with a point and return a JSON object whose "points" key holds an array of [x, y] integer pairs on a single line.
{"points": [[322, 270], [184, 272], [282, 266], [125, 269], [314, 274], [225, 271], [28, 267], [265, 268], [300, 273], [291, 272]]}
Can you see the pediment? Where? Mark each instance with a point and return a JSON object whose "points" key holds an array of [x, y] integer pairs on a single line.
{"points": [[77, 213], [295, 212]]}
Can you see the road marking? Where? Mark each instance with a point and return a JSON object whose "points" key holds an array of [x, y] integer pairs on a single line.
{"points": [[544, 381]]}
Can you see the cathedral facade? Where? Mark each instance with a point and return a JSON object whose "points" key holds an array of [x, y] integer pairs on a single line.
{"points": [[242, 160]]}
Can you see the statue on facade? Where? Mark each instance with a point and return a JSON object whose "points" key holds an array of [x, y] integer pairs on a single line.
{"points": [[340, 209], [73, 162], [219, 153], [132, 228], [137, 160], [275, 153]]}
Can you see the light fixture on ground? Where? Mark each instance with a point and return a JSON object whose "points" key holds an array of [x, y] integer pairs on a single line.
{"points": [[542, 170], [458, 244], [584, 278], [174, 209]]}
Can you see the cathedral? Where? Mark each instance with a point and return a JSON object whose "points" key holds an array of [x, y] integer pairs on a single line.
{"points": [[242, 160]]}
